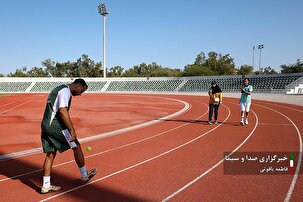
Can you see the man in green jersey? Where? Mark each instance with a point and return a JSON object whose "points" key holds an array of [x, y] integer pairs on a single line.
{"points": [[58, 133]]}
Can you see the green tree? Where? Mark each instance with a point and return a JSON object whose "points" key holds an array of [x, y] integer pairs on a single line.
{"points": [[115, 71], [37, 72], [166, 72], [221, 65], [141, 70], [245, 70], [197, 70], [22, 72], [226, 65], [50, 67], [292, 68], [85, 66], [269, 70], [200, 59], [131, 73], [212, 60]]}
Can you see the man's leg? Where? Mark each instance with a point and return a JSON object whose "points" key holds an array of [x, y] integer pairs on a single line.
{"points": [[47, 170], [216, 113], [247, 112], [48, 163], [242, 109], [210, 114], [79, 158]]}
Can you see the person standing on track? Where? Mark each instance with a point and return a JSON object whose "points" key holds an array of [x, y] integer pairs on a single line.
{"points": [[215, 99], [58, 133], [245, 101]]}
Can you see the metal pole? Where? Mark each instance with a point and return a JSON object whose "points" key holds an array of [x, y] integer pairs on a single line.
{"points": [[104, 46], [103, 11], [260, 47], [260, 61], [253, 58]]}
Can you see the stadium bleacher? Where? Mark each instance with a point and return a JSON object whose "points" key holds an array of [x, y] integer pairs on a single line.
{"points": [[14, 86], [148, 85], [276, 83]]}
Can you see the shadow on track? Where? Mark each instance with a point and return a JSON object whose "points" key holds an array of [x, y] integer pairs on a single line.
{"points": [[14, 168]]}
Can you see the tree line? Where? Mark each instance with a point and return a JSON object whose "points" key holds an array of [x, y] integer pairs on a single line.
{"points": [[211, 64]]}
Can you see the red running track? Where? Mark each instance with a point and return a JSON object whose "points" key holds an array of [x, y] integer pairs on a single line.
{"points": [[177, 158]]}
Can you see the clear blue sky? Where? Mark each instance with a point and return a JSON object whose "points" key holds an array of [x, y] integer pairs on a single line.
{"points": [[168, 32]]}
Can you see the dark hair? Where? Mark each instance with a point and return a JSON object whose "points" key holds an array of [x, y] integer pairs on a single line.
{"points": [[213, 82], [245, 79], [215, 89], [82, 82]]}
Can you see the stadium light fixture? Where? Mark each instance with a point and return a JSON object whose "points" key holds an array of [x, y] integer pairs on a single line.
{"points": [[260, 48], [103, 11]]}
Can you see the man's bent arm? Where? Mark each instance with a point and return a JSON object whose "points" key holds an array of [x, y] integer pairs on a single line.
{"points": [[68, 122]]}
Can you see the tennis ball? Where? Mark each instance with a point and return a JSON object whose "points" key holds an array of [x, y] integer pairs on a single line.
{"points": [[88, 148]]}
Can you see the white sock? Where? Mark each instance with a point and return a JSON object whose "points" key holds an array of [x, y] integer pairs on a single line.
{"points": [[83, 171], [242, 119], [46, 182]]}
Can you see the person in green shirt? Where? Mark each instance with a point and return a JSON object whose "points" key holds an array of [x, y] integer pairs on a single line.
{"points": [[58, 132], [245, 101]]}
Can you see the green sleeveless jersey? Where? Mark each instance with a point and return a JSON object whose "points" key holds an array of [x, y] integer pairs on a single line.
{"points": [[58, 97]]}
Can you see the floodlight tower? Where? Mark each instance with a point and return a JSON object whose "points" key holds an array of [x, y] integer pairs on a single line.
{"points": [[103, 11], [253, 58], [260, 48]]}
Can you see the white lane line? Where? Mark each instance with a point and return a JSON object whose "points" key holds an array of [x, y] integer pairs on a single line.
{"points": [[281, 105], [15, 107], [214, 166], [293, 183], [295, 178], [141, 163], [9, 103], [107, 151], [276, 124], [19, 154]]}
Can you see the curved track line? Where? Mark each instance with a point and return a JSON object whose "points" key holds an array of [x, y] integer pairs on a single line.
{"points": [[109, 150], [28, 152], [213, 167], [294, 180], [142, 162], [15, 107], [9, 103], [287, 107]]}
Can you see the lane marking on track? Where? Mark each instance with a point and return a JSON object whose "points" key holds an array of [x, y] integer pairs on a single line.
{"points": [[142, 162], [15, 107], [293, 183], [278, 105], [19, 154], [276, 124], [295, 178], [109, 150], [9, 103], [214, 166]]}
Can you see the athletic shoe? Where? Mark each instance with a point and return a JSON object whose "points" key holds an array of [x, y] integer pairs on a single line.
{"points": [[242, 122], [52, 188], [91, 173], [246, 121], [216, 122], [209, 122]]}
